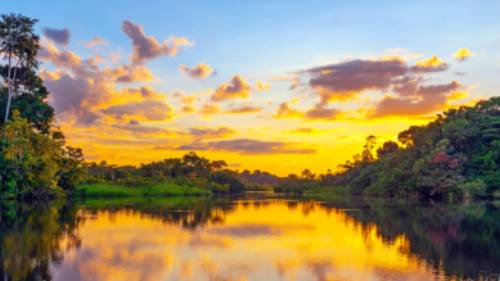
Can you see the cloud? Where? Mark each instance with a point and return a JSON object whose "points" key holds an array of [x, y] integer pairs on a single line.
{"points": [[130, 73], [421, 100], [60, 36], [200, 71], [150, 110], [293, 78], [285, 111], [66, 59], [80, 91], [345, 80], [462, 54], [236, 88], [249, 146], [403, 85], [209, 109], [95, 41], [432, 64], [243, 109], [209, 133], [320, 112], [136, 128], [303, 130], [262, 86], [146, 47]]}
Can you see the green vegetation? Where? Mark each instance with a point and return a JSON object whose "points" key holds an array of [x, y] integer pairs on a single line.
{"points": [[455, 156], [34, 160], [164, 189], [189, 175]]}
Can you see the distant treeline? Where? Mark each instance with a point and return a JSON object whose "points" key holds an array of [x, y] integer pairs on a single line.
{"points": [[191, 170], [455, 156]]}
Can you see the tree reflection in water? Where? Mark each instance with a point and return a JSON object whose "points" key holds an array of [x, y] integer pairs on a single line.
{"points": [[461, 240]]}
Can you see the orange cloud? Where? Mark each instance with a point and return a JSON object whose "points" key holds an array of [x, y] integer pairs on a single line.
{"points": [[429, 65], [200, 71], [236, 88]]}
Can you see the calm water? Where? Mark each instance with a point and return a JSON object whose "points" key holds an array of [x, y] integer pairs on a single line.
{"points": [[249, 239]]}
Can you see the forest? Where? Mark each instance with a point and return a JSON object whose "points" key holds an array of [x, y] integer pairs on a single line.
{"points": [[455, 156]]}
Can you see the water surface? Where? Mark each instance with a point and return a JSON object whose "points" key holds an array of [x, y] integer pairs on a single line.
{"points": [[249, 239]]}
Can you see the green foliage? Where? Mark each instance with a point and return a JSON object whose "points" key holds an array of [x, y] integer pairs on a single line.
{"points": [[190, 170], [458, 154], [34, 162]]}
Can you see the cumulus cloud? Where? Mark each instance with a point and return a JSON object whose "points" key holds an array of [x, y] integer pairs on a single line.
{"points": [[59, 36], [80, 91], [249, 146], [236, 88], [346, 79], [403, 84], [200, 71], [462, 54], [146, 47]]}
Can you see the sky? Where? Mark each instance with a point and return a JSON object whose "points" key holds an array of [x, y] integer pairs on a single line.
{"points": [[270, 85]]}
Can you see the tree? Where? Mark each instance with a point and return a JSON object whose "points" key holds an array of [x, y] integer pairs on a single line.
{"points": [[19, 46], [367, 154]]}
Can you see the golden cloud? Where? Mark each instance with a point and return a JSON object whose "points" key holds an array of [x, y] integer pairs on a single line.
{"points": [[462, 54], [236, 88], [200, 71]]}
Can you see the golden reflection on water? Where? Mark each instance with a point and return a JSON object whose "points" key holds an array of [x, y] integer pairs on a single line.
{"points": [[271, 241]]}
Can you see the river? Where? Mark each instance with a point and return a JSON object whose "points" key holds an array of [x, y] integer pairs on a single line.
{"points": [[258, 238]]}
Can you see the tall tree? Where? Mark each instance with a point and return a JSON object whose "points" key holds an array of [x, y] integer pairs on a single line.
{"points": [[18, 46]]}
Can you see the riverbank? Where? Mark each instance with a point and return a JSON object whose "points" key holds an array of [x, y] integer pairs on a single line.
{"points": [[156, 190]]}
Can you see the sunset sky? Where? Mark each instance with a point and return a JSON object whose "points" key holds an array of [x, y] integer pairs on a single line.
{"points": [[271, 85]]}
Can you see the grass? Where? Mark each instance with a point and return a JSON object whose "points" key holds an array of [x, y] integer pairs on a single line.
{"points": [[324, 193], [156, 190]]}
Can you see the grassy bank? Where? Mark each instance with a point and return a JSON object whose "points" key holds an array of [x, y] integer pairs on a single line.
{"points": [[324, 193], [157, 190]]}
